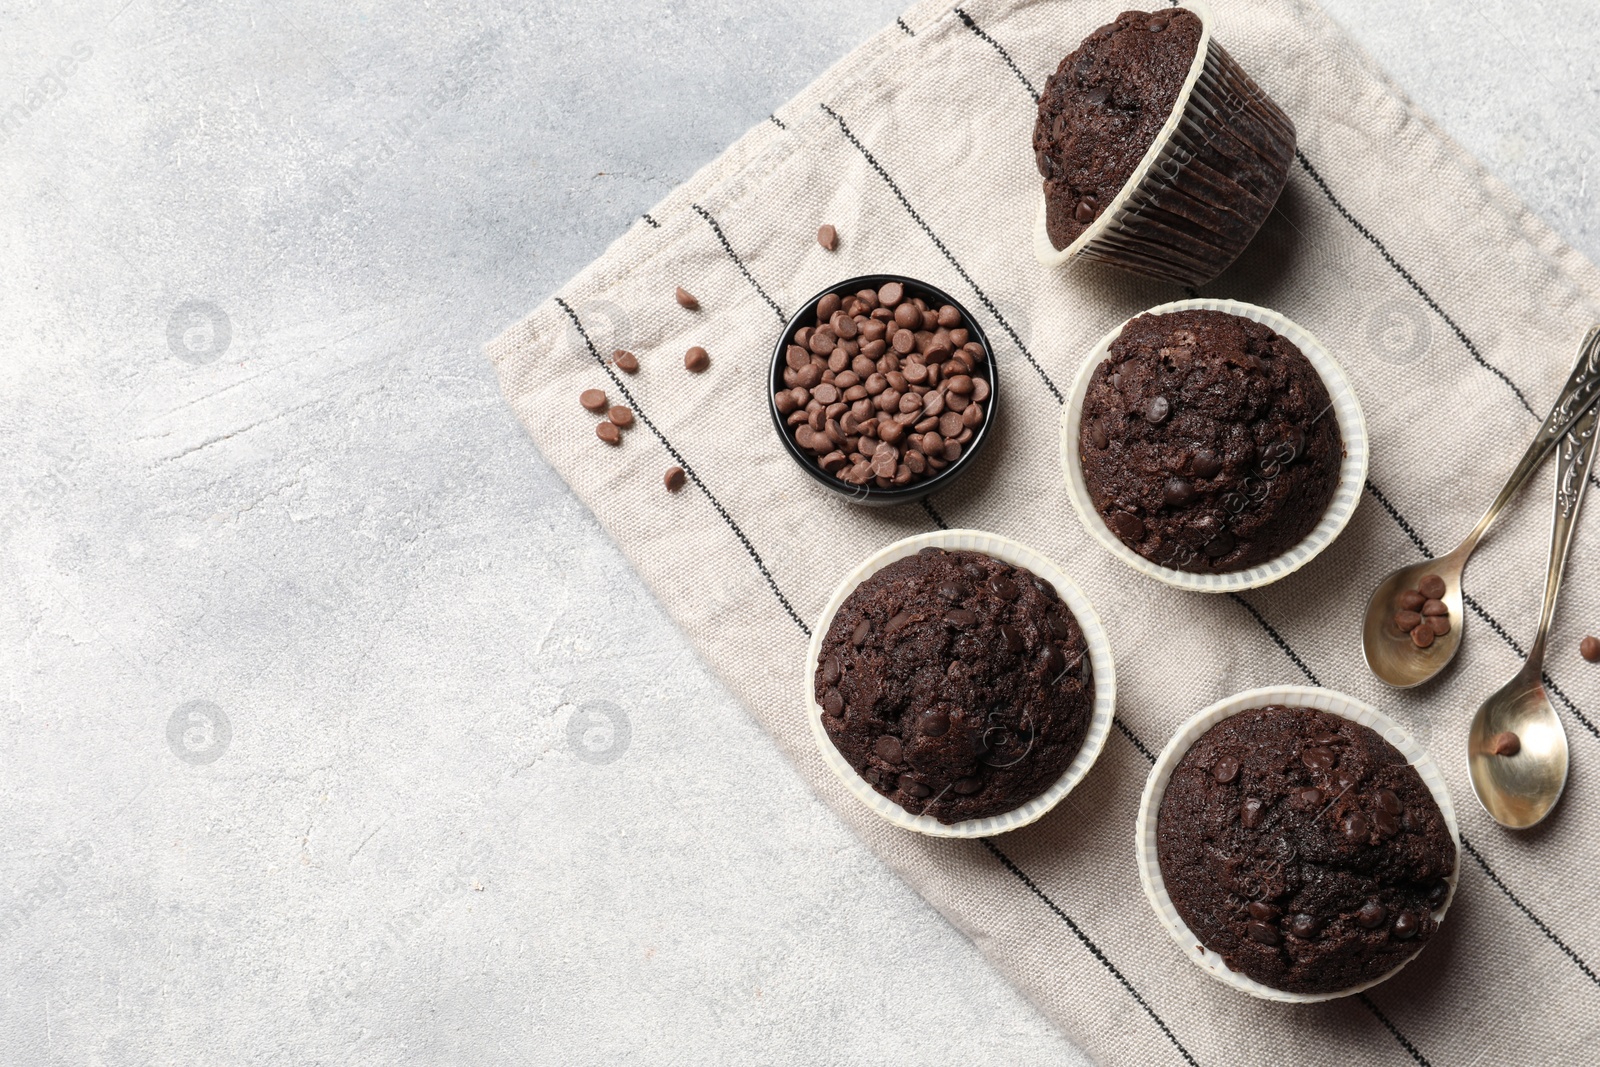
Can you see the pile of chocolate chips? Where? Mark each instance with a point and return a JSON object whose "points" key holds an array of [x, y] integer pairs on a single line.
{"points": [[883, 389], [1422, 612]]}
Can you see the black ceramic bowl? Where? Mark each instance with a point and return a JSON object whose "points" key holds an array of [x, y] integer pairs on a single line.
{"points": [[872, 494]]}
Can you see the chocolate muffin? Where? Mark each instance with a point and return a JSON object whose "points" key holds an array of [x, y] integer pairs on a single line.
{"points": [[1208, 441], [958, 685], [1303, 849], [1101, 111]]}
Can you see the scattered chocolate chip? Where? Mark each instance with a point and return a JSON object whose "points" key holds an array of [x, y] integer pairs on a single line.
{"points": [[1264, 933], [1371, 915], [828, 236], [1431, 586], [1589, 649], [1225, 770], [1505, 744], [673, 479], [696, 359], [1405, 926], [621, 416], [686, 299], [593, 399], [626, 361], [608, 433]]}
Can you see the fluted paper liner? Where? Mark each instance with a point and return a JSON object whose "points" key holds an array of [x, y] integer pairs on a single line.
{"points": [[1204, 186], [1299, 696], [1352, 471], [1105, 685]]}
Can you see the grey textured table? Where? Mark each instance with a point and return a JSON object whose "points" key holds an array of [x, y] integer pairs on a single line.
{"points": [[334, 731]]}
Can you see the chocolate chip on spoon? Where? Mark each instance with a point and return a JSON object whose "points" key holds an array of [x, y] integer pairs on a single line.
{"points": [[1505, 744]]}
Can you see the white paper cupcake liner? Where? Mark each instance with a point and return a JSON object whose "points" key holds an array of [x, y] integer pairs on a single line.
{"points": [[1204, 186], [1155, 788], [1105, 684], [1352, 472]]}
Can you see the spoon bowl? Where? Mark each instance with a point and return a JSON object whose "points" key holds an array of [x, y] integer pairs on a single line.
{"points": [[1391, 653], [1518, 790]]}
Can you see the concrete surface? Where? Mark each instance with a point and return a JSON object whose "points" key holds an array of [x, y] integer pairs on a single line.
{"points": [[333, 730]]}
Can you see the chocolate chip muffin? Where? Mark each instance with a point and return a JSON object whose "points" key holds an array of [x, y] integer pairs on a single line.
{"points": [[1303, 849], [958, 685], [1101, 111], [1208, 441]]}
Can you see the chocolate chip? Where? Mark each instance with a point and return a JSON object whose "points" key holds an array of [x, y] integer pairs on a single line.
{"points": [[833, 703], [858, 636], [1406, 621], [960, 617], [1003, 587], [1059, 627], [899, 621], [1311, 797], [1177, 492], [1157, 410], [1434, 607], [1412, 819], [608, 433], [888, 748], [966, 786], [686, 299], [1264, 933], [1356, 827], [1054, 662], [696, 359], [1438, 893], [1505, 744], [1388, 825], [626, 361], [913, 787], [951, 591], [1085, 211], [1250, 812], [1260, 909], [1207, 464], [1220, 545], [621, 416], [1126, 526], [593, 399], [1319, 758], [1372, 914], [1412, 600], [1097, 435], [935, 722], [1305, 926], [1097, 96], [1431, 586], [890, 294], [1225, 769], [1011, 636], [1389, 801], [1439, 624], [1422, 636], [1405, 926], [828, 236], [673, 479], [1589, 649], [1156, 25]]}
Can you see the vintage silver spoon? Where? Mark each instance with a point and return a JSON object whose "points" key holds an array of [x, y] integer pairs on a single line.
{"points": [[1517, 747], [1391, 653]]}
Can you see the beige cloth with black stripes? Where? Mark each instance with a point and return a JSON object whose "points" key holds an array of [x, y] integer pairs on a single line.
{"points": [[1457, 315]]}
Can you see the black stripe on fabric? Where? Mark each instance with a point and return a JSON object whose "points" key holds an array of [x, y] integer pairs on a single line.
{"points": [[902, 24], [689, 470], [1388, 257], [728, 248], [943, 248], [1023, 78], [1133, 737], [651, 221], [1277, 638], [1398, 1036], [938, 519], [1482, 612], [1093, 948], [777, 122], [1495, 878]]}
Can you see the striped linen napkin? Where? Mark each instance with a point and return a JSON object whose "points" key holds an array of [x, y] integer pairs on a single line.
{"points": [[1456, 314]]}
